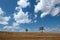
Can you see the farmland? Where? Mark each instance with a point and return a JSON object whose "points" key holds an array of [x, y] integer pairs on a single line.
{"points": [[29, 36]]}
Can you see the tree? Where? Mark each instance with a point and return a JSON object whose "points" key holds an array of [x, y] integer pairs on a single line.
{"points": [[42, 28], [26, 30]]}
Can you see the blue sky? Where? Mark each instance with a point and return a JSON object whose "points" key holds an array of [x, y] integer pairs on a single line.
{"points": [[17, 15]]}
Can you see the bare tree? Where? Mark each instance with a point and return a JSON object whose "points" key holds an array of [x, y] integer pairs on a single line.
{"points": [[41, 28]]}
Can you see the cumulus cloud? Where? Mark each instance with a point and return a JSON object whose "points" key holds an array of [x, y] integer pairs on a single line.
{"points": [[47, 7], [3, 19], [22, 17], [23, 3], [55, 11]]}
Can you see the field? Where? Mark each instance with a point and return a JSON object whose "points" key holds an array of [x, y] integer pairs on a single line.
{"points": [[28, 36]]}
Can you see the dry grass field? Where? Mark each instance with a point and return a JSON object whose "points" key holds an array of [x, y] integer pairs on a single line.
{"points": [[28, 36]]}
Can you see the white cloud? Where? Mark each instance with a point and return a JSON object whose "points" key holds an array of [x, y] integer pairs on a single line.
{"points": [[35, 16], [13, 28], [1, 12], [55, 11], [44, 14], [23, 3], [47, 7], [52, 30], [3, 20], [10, 28], [15, 24], [22, 17], [39, 6]]}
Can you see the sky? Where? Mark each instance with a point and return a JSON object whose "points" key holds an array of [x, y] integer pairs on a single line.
{"points": [[18, 15]]}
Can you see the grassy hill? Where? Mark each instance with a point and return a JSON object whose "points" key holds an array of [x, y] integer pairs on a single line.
{"points": [[28, 36]]}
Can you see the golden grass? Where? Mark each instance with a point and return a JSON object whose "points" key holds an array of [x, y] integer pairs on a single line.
{"points": [[28, 36]]}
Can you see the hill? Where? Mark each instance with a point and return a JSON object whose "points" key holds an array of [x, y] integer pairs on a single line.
{"points": [[28, 36]]}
